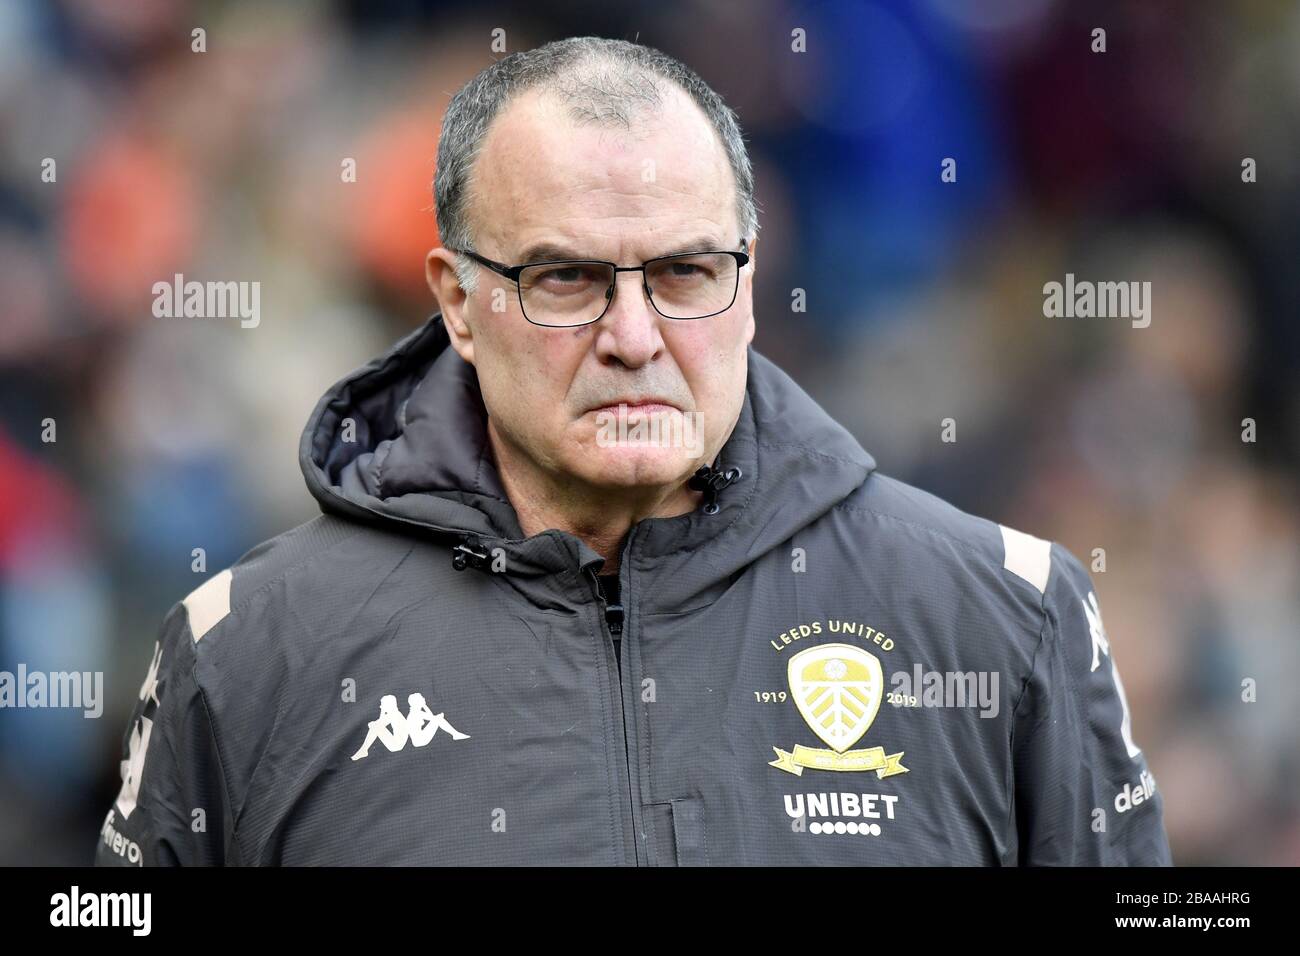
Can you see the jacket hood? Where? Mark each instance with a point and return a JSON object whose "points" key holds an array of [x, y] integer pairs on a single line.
{"points": [[402, 442]]}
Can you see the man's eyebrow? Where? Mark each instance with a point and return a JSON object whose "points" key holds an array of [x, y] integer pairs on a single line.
{"points": [[698, 244], [543, 251], [546, 250]]}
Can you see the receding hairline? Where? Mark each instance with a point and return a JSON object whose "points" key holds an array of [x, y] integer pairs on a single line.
{"points": [[605, 82], [649, 115]]}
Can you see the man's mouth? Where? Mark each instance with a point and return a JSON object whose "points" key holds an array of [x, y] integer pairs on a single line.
{"points": [[636, 406]]}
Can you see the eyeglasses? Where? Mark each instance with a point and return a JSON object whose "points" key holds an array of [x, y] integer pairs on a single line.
{"points": [[564, 293]]}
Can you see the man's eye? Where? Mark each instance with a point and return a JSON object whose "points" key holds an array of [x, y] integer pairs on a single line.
{"points": [[682, 272], [565, 277]]}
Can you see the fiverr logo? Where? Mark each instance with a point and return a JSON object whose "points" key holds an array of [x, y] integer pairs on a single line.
{"points": [[118, 842]]}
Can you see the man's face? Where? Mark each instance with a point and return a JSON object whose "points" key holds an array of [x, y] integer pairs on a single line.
{"points": [[601, 193]]}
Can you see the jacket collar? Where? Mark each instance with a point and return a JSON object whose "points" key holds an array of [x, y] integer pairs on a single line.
{"points": [[402, 442]]}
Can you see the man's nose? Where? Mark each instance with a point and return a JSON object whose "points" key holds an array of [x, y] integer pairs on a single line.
{"points": [[629, 331]]}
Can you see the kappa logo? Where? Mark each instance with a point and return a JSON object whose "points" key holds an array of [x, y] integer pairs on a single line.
{"points": [[393, 729], [837, 689], [132, 768]]}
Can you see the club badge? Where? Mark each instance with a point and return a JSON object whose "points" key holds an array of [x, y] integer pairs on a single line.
{"points": [[838, 689]]}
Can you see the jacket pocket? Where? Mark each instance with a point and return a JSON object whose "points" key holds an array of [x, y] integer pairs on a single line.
{"points": [[689, 832], [677, 836]]}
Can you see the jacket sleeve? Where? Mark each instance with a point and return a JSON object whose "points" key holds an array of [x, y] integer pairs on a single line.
{"points": [[172, 808], [1084, 795]]}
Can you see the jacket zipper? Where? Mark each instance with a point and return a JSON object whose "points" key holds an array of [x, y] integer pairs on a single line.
{"points": [[612, 617], [619, 617]]}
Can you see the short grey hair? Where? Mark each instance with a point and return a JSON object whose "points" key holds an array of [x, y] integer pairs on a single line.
{"points": [[603, 82]]}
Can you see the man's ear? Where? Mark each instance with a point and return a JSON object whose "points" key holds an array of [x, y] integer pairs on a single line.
{"points": [[749, 279], [440, 273]]}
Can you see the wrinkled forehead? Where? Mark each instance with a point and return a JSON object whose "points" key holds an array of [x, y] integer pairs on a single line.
{"points": [[611, 189]]}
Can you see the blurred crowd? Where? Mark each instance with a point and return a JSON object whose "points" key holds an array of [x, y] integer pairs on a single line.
{"points": [[127, 441]]}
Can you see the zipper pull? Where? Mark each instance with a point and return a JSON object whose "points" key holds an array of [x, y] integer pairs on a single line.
{"points": [[711, 481], [463, 556], [614, 618]]}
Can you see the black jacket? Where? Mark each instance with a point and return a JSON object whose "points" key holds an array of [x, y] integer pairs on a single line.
{"points": [[833, 668]]}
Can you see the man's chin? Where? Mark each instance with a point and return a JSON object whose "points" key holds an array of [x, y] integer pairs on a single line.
{"points": [[633, 465]]}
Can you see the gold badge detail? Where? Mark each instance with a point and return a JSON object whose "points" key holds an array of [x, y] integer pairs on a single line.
{"points": [[838, 689]]}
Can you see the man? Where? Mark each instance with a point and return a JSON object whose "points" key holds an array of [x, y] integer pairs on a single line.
{"points": [[648, 604]]}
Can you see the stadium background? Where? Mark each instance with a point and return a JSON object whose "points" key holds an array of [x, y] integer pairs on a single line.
{"points": [[924, 301]]}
